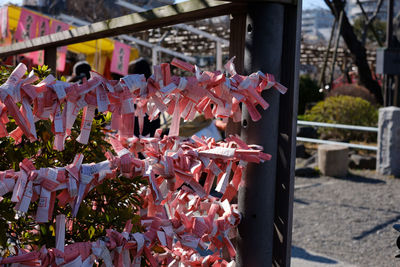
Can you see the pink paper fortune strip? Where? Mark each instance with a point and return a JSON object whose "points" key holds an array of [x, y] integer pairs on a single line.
{"points": [[179, 213], [211, 93], [126, 248]]}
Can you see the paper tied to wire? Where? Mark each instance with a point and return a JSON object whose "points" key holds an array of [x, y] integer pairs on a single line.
{"points": [[170, 163], [187, 211], [181, 236], [180, 213], [214, 94]]}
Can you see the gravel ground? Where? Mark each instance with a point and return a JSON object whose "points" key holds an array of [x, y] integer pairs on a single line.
{"points": [[349, 219]]}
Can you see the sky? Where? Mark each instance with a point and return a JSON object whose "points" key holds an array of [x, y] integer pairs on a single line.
{"points": [[17, 2], [307, 4]]}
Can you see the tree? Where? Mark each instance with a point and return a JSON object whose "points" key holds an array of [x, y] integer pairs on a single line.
{"points": [[357, 49], [379, 27]]}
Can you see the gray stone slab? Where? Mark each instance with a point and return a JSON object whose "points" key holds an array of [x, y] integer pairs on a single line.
{"points": [[388, 156]]}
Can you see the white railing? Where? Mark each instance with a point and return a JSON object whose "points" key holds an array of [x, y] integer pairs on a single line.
{"points": [[340, 126]]}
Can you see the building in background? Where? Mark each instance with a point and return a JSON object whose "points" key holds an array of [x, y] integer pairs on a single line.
{"points": [[353, 10], [316, 25]]}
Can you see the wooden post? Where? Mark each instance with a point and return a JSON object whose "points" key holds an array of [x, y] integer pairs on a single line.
{"points": [[264, 41], [50, 59]]}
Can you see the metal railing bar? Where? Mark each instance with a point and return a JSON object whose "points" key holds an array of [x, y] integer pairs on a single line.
{"points": [[319, 141], [341, 126]]}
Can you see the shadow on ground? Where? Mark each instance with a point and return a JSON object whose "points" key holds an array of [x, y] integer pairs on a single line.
{"points": [[304, 254], [297, 200], [360, 179], [377, 228]]}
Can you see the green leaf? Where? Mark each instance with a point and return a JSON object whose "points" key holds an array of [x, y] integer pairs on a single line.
{"points": [[91, 231], [43, 229], [53, 232]]}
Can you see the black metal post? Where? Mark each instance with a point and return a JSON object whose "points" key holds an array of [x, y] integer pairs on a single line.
{"points": [[388, 98], [286, 156], [264, 41], [50, 59], [389, 26], [236, 48]]}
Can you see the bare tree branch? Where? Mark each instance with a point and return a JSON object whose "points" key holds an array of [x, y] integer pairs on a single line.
{"points": [[368, 22], [333, 10]]}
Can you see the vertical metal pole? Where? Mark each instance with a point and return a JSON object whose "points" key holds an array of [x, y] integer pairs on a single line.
{"points": [[389, 39], [387, 91], [237, 39], [236, 49], [50, 59], [286, 157], [389, 26], [339, 30], [322, 76], [396, 90], [218, 56], [264, 41]]}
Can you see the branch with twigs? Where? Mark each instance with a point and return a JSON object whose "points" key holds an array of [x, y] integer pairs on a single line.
{"points": [[368, 22]]}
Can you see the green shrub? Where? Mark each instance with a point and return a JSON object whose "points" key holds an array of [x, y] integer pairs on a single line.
{"points": [[308, 93], [344, 110]]}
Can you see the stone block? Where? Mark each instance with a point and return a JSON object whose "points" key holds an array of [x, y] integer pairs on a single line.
{"points": [[388, 156], [333, 160]]}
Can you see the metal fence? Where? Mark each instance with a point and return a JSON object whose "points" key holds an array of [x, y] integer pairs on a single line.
{"points": [[340, 126]]}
